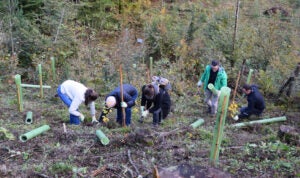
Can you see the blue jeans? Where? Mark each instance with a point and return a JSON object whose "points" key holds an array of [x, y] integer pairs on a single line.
{"points": [[73, 119], [127, 113]]}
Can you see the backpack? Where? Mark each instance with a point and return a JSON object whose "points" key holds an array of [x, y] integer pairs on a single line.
{"points": [[161, 82]]}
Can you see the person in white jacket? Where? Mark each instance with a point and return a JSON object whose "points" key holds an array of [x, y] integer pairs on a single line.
{"points": [[73, 93]]}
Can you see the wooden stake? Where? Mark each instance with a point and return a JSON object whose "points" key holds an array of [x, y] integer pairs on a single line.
{"points": [[122, 96], [236, 85]]}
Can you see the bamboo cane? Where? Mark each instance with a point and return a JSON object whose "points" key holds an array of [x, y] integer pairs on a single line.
{"points": [[122, 96]]}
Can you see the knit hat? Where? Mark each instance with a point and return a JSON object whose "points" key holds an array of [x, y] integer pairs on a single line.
{"points": [[110, 101]]}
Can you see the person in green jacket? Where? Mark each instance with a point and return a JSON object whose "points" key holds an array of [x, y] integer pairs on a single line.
{"points": [[216, 75]]}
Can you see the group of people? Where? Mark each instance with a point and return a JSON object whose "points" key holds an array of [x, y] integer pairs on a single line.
{"points": [[216, 75], [155, 98]]}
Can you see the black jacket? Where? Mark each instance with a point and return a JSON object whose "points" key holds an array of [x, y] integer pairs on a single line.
{"points": [[160, 100], [255, 101]]}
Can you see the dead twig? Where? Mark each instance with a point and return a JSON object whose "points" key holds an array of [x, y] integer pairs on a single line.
{"points": [[98, 171], [41, 175], [155, 172], [127, 170], [130, 160], [177, 130]]}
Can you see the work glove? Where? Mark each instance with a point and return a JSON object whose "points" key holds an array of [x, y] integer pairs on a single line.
{"points": [[81, 116], [199, 84], [123, 104], [142, 109], [94, 119], [236, 118], [145, 113]]}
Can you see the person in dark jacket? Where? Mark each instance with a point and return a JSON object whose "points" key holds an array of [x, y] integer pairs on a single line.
{"points": [[256, 103], [155, 100], [113, 100]]}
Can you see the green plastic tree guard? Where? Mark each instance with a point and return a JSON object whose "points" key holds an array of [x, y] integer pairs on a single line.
{"points": [[53, 67], [220, 122], [211, 87], [41, 81], [34, 86], [28, 119], [197, 123], [249, 76], [34, 133], [262, 121], [19, 92], [104, 140]]}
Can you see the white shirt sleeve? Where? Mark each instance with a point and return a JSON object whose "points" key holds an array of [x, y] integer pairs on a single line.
{"points": [[74, 107]]}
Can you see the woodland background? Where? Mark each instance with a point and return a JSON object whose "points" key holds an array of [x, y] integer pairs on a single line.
{"points": [[89, 39]]}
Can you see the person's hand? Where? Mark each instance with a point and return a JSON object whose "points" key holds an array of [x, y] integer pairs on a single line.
{"points": [[142, 109], [94, 120], [123, 105], [81, 116], [145, 113], [199, 84], [236, 118]]}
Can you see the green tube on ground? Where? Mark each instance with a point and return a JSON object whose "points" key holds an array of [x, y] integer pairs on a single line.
{"points": [[33, 133], [28, 119], [197, 123], [211, 87], [104, 140], [262, 121], [19, 92]]}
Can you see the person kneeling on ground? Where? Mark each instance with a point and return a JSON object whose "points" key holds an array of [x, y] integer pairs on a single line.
{"points": [[157, 101], [113, 100], [73, 93], [256, 103]]}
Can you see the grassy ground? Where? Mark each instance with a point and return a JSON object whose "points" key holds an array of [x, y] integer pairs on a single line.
{"points": [[254, 151]]}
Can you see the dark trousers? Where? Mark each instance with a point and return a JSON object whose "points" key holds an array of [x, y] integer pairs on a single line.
{"points": [[127, 114], [245, 114], [160, 114]]}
